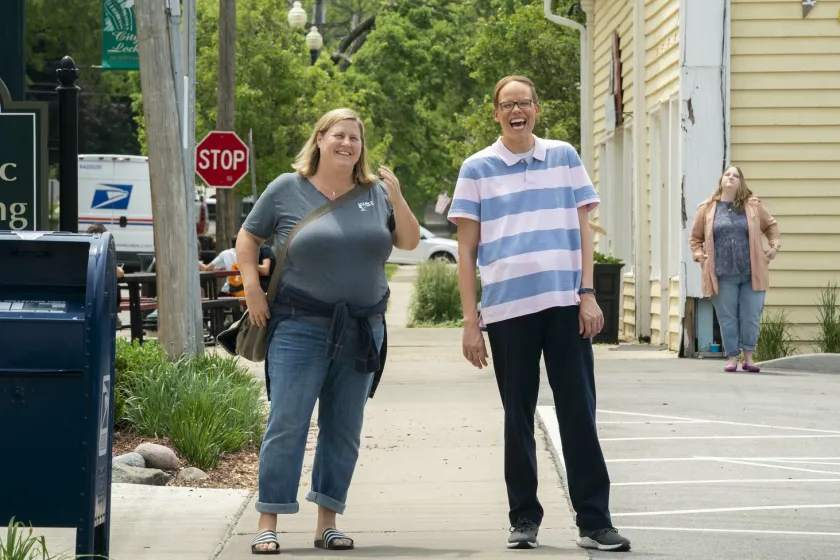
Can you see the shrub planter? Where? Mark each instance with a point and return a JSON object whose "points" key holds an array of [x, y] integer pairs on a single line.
{"points": [[608, 296]]}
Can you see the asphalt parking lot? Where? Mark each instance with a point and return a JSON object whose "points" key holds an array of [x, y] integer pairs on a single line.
{"points": [[707, 465]]}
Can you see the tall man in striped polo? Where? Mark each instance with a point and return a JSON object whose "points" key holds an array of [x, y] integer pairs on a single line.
{"points": [[521, 206]]}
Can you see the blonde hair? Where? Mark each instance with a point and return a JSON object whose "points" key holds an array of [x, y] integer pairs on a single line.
{"points": [[514, 78], [741, 195], [306, 162]]}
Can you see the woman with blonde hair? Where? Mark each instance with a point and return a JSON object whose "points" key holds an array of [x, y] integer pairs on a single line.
{"points": [[726, 240], [326, 323]]}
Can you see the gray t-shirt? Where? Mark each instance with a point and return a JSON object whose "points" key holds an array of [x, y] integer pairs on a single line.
{"points": [[338, 257], [732, 243]]}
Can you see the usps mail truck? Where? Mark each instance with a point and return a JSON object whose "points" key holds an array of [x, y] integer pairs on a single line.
{"points": [[114, 191]]}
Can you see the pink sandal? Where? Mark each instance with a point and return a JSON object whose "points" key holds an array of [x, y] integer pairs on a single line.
{"points": [[730, 368], [752, 368]]}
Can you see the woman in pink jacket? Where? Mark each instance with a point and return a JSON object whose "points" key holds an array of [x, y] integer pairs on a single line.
{"points": [[726, 240]]}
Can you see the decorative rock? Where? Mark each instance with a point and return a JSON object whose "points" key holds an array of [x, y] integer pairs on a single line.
{"points": [[136, 475], [132, 459], [158, 456], [191, 474]]}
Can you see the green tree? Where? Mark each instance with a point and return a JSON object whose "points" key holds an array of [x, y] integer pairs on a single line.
{"points": [[517, 39], [410, 78]]}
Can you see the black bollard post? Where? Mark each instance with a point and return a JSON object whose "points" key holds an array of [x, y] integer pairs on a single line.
{"points": [[68, 141]]}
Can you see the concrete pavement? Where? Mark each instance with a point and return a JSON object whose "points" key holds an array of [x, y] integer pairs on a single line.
{"points": [[429, 483], [686, 445]]}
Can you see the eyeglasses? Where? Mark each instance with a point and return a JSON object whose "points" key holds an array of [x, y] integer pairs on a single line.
{"points": [[507, 106]]}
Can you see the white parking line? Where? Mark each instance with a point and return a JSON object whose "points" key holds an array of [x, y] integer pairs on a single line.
{"points": [[810, 460], [752, 436], [769, 465], [725, 481], [729, 423], [737, 531], [668, 422], [723, 510]]}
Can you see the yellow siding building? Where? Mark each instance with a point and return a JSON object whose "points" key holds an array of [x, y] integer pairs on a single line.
{"points": [[679, 88], [785, 132]]}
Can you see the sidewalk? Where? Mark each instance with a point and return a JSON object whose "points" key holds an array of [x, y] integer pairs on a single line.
{"points": [[429, 482]]}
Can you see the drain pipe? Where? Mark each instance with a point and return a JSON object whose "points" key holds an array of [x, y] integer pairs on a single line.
{"points": [[585, 77]]}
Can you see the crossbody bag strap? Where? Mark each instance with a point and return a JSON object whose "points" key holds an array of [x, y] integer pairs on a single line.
{"points": [[311, 217]]}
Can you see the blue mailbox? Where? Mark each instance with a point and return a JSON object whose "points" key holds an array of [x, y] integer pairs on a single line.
{"points": [[57, 325]]}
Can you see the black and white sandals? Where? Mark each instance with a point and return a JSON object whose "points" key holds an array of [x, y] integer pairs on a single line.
{"points": [[269, 539], [333, 539]]}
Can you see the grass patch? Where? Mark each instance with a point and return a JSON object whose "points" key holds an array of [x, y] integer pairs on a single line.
{"points": [[205, 405], [132, 359], [774, 339], [828, 317], [390, 269], [436, 301]]}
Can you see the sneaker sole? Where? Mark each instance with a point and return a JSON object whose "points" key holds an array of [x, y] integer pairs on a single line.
{"points": [[586, 542], [523, 545]]}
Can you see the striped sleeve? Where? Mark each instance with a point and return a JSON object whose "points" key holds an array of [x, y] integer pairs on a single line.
{"points": [[585, 194], [466, 201]]}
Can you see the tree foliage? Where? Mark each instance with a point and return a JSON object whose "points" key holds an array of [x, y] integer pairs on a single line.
{"points": [[422, 80]]}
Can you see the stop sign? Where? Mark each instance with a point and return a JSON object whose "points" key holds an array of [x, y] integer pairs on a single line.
{"points": [[221, 159]]}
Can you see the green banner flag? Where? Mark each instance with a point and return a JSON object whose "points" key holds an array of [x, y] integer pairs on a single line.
{"points": [[119, 35]]}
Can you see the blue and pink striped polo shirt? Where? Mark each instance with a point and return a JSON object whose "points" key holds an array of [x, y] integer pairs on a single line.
{"points": [[529, 254]]}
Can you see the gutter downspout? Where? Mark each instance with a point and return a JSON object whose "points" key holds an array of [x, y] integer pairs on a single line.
{"points": [[585, 78]]}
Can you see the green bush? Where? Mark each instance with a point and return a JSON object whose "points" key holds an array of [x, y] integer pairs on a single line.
{"points": [[205, 405], [132, 358], [436, 301], [829, 319], [774, 340], [601, 258]]}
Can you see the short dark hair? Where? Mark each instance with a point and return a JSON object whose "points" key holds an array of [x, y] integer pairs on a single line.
{"points": [[96, 228], [514, 78]]}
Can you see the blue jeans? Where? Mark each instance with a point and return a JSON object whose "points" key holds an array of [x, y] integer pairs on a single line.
{"points": [[301, 373], [738, 308]]}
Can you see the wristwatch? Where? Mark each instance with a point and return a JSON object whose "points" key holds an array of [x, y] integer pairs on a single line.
{"points": [[582, 291]]}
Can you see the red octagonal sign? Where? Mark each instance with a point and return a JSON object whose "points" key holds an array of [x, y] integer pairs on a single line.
{"points": [[221, 159]]}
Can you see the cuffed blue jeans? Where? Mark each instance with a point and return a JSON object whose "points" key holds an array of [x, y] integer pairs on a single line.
{"points": [[301, 373], [738, 309]]}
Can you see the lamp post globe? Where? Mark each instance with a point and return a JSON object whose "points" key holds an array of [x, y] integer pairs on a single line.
{"points": [[297, 16], [315, 42]]}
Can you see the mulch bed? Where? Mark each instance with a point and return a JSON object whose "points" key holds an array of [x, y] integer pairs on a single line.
{"points": [[234, 470]]}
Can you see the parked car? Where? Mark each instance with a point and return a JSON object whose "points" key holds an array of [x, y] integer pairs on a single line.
{"points": [[431, 247]]}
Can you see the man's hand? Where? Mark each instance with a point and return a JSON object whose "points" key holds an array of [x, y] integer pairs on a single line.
{"points": [[473, 345], [590, 317], [770, 253], [257, 307]]}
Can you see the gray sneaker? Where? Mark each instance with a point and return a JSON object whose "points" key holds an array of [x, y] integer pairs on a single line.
{"points": [[523, 534], [603, 539]]}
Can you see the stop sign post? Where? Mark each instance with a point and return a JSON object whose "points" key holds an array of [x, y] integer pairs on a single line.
{"points": [[221, 159]]}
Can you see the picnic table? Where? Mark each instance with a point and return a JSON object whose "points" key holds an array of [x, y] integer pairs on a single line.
{"points": [[214, 307]]}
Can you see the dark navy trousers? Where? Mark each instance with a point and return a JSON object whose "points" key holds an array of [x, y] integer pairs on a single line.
{"points": [[516, 345]]}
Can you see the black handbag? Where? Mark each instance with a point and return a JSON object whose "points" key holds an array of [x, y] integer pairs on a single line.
{"points": [[244, 338]]}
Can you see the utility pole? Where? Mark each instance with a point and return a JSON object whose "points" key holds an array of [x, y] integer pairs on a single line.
{"points": [[182, 47], [227, 207], [166, 170]]}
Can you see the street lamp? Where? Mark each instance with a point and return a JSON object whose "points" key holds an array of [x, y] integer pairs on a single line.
{"points": [[297, 16], [315, 42]]}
